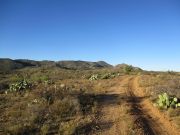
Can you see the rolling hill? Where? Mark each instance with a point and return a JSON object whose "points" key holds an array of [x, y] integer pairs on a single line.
{"points": [[9, 64]]}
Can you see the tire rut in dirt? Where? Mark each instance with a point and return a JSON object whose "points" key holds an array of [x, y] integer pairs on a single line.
{"points": [[141, 123]]}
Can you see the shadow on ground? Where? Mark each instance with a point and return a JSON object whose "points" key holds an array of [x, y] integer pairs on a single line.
{"points": [[141, 122], [90, 101]]}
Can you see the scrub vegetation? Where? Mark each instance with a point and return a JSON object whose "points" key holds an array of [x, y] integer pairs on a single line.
{"points": [[51, 100]]}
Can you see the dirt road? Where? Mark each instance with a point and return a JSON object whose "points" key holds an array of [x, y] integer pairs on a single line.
{"points": [[126, 110]]}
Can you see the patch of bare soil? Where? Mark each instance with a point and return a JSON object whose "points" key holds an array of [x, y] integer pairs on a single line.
{"points": [[112, 118], [125, 110]]}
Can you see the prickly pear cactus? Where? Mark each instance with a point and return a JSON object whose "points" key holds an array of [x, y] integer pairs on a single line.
{"points": [[94, 77], [19, 86], [166, 101]]}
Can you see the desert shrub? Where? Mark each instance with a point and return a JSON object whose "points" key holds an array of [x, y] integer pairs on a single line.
{"points": [[173, 112], [16, 78], [45, 79], [21, 118], [3, 87], [171, 72], [87, 103], [64, 109], [52, 92], [68, 127], [41, 78], [174, 83], [128, 69], [166, 101], [44, 129], [160, 83], [15, 129], [108, 76], [20, 129], [48, 96]]}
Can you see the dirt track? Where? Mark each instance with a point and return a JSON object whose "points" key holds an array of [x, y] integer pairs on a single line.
{"points": [[126, 110]]}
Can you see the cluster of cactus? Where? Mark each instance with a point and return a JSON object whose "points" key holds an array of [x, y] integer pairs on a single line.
{"points": [[19, 86], [109, 76], [166, 101], [94, 77], [103, 76]]}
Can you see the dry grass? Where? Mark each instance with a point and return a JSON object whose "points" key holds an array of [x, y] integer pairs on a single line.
{"points": [[69, 102], [66, 105]]}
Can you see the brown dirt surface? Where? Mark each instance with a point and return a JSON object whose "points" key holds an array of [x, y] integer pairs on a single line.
{"points": [[157, 122], [125, 110]]}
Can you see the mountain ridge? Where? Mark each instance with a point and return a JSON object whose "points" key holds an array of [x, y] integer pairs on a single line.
{"points": [[7, 64]]}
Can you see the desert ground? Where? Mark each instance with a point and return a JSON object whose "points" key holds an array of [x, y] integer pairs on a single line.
{"points": [[104, 101]]}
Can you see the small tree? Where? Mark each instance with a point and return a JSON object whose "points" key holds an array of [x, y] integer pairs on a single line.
{"points": [[128, 69]]}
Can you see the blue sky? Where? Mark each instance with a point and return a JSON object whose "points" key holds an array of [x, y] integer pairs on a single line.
{"points": [[143, 33]]}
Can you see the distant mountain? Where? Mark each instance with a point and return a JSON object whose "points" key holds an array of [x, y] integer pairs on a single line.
{"points": [[124, 65], [82, 65], [9, 64], [36, 63], [104, 64]]}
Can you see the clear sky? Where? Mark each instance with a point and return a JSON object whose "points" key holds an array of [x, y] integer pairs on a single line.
{"points": [[144, 33]]}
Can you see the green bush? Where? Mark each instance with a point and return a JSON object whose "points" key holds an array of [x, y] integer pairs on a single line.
{"points": [[44, 129], [128, 69], [166, 101]]}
